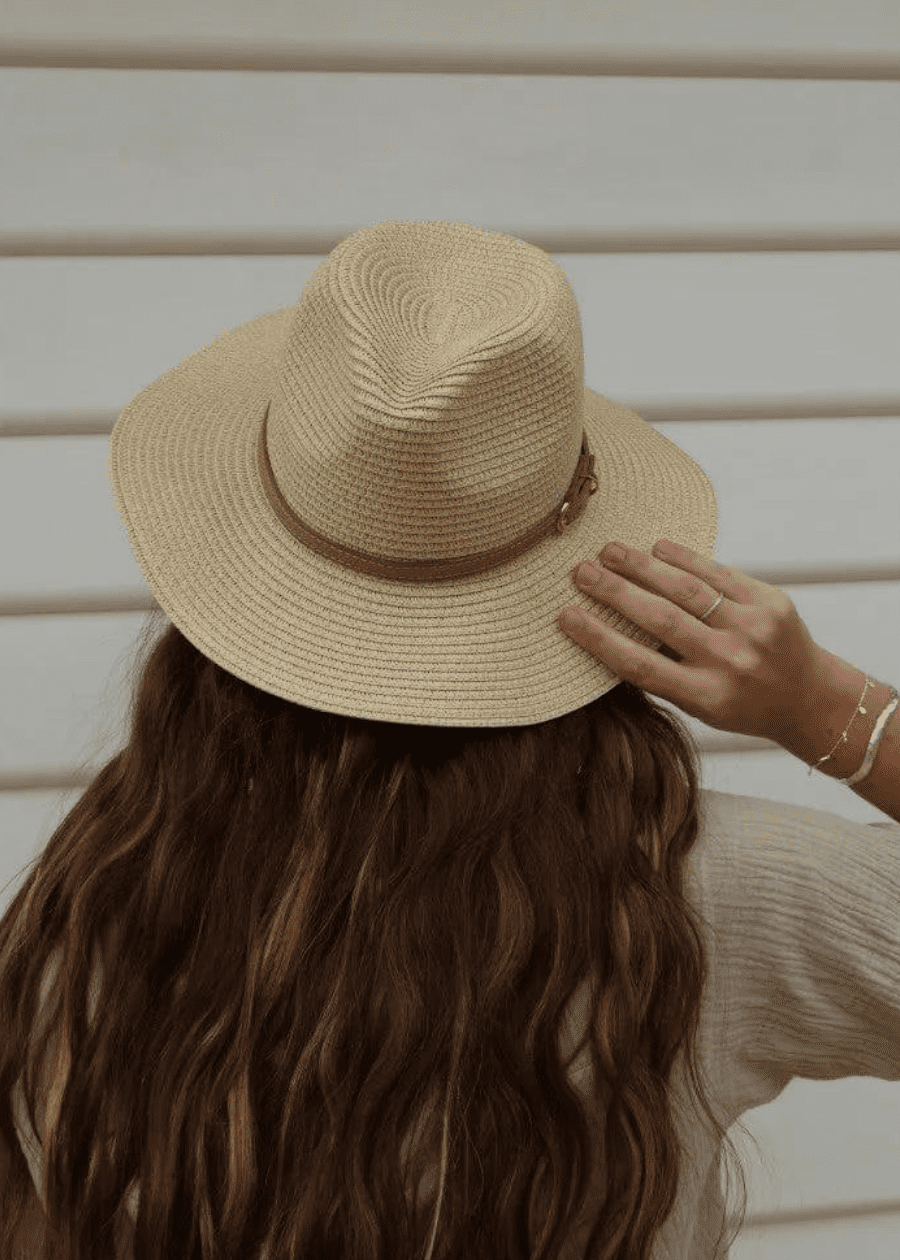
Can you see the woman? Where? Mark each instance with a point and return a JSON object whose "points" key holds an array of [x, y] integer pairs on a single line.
{"points": [[398, 928]]}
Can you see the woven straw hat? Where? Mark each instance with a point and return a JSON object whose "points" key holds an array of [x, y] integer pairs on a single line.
{"points": [[371, 502]]}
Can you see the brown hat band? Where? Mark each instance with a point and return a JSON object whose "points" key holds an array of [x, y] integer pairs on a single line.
{"points": [[581, 487]]}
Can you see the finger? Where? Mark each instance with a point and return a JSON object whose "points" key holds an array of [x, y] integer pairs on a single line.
{"points": [[631, 661], [672, 618], [668, 623], [734, 584], [685, 589]]}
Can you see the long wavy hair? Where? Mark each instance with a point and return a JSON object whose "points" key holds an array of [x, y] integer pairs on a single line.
{"points": [[300, 979]]}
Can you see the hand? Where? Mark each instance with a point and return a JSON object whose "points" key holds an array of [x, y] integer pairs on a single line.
{"points": [[749, 669]]}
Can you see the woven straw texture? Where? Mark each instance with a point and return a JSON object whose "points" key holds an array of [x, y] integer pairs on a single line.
{"points": [[424, 399]]}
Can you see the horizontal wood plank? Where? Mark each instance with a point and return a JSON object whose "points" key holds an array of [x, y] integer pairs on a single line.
{"points": [[124, 160], [772, 774], [729, 335], [872, 1236], [826, 1146], [643, 36]]}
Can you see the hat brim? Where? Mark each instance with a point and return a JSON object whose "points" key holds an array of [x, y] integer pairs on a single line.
{"points": [[484, 650]]}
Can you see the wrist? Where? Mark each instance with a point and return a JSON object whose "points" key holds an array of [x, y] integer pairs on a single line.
{"points": [[832, 696]]}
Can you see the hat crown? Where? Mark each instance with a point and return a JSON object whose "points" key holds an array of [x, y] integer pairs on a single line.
{"points": [[430, 392]]}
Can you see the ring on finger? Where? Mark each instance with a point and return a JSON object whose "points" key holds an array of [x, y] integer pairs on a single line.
{"points": [[600, 581]]}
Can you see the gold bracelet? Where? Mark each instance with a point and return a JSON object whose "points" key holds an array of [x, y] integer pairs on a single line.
{"points": [[874, 741]]}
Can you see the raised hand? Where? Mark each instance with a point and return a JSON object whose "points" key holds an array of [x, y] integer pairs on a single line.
{"points": [[747, 669]]}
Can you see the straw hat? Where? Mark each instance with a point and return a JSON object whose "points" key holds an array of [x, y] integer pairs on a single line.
{"points": [[371, 502]]}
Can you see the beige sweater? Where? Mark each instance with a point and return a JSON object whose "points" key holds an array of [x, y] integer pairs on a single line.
{"points": [[802, 909]]}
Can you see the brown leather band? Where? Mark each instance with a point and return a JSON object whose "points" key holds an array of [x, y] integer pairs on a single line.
{"points": [[581, 487]]}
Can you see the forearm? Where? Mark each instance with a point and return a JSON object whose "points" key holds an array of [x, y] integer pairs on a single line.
{"points": [[834, 696]]}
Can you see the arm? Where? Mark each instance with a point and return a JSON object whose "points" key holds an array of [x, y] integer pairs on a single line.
{"points": [[752, 668], [836, 692]]}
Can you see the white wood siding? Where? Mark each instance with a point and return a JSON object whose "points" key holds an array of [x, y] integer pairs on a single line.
{"points": [[721, 184]]}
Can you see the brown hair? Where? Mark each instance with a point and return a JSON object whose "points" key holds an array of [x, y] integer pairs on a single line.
{"points": [[315, 931]]}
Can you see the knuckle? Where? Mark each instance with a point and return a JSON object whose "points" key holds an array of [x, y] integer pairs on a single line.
{"points": [[691, 593], [768, 625], [785, 609], [745, 660], [669, 622], [781, 602]]}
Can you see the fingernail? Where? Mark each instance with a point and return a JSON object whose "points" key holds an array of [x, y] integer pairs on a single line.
{"points": [[612, 551], [587, 572], [571, 619]]}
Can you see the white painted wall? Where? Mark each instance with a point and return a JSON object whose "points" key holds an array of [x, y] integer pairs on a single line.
{"points": [[729, 220]]}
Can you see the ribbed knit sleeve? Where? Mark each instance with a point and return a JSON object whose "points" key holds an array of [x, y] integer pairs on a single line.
{"points": [[806, 914]]}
